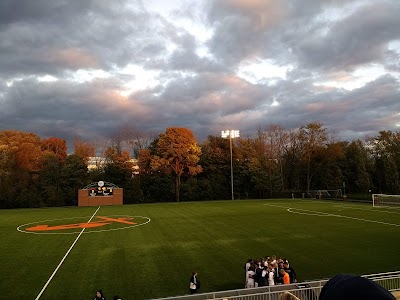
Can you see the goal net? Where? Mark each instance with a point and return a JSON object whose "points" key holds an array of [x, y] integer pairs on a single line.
{"points": [[385, 200], [325, 194]]}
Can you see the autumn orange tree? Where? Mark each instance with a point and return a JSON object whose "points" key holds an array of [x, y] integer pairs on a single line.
{"points": [[55, 145], [24, 147], [178, 153], [84, 149]]}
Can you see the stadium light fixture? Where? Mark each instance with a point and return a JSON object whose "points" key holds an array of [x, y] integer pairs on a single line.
{"points": [[231, 134]]}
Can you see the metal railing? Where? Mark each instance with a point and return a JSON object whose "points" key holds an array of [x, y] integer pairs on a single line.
{"points": [[389, 280], [309, 290]]}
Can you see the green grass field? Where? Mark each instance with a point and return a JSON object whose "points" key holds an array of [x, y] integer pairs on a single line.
{"points": [[214, 238]]}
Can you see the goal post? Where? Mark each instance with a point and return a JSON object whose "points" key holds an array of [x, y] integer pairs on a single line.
{"points": [[325, 194], [385, 200]]}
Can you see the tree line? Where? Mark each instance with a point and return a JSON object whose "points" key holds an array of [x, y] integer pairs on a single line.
{"points": [[272, 162]]}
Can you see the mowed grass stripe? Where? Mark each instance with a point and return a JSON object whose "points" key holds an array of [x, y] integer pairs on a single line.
{"points": [[27, 260], [215, 238]]}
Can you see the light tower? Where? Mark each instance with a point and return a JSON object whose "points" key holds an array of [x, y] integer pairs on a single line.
{"points": [[231, 134]]}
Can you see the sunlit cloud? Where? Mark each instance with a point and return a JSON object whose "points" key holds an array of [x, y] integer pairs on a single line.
{"points": [[354, 80], [259, 70], [138, 79], [87, 75], [275, 103], [46, 78], [74, 58], [394, 45]]}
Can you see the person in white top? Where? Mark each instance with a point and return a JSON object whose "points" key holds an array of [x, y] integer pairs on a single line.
{"points": [[246, 268], [263, 280], [267, 261], [271, 275], [250, 277]]}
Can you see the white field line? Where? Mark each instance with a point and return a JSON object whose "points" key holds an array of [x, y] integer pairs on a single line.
{"points": [[346, 204], [322, 214], [65, 256], [377, 210]]}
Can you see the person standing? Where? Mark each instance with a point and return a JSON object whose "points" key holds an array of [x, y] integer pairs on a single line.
{"points": [[290, 271], [271, 276], [250, 277], [276, 274], [285, 276], [263, 280], [194, 283], [246, 269], [279, 274]]}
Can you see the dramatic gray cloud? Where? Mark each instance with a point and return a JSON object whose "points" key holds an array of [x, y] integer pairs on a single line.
{"points": [[360, 38], [86, 68]]}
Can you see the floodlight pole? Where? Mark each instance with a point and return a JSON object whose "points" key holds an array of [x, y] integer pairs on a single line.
{"points": [[231, 134], [230, 142]]}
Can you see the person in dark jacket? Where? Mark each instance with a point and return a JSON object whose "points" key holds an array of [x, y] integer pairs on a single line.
{"points": [[99, 295], [290, 271], [263, 278], [194, 283], [279, 276], [258, 274]]}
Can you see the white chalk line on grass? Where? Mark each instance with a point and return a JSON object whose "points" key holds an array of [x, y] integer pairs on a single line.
{"points": [[322, 214], [65, 256], [368, 209], [348, 204]]}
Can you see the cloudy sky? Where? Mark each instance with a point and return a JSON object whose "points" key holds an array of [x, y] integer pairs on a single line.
{"points": [[86, 68]]}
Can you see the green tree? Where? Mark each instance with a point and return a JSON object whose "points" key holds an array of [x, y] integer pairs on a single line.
{"points": [[177, 153], [392, 182], [50, 179], [73, 175], [385, 150], [272, 141], [292, 155], [118, 168], [355, 167], [215, 162], [313, 137], [7, 177]]}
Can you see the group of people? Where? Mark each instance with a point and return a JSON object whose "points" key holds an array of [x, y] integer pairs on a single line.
{"points": [[268, 271]]}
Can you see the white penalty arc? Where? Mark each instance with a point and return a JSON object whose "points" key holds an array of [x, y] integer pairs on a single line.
{"points": [[322, 214]]}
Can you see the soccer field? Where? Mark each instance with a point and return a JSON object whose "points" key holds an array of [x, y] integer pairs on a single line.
{"points": [[148, 251]]}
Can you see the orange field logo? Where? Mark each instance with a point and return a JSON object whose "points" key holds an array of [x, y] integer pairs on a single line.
{"points": [[104, 223]]}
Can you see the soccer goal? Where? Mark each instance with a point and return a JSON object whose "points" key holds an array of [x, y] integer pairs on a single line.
{"points": [[325, 194], [385, 200]]}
